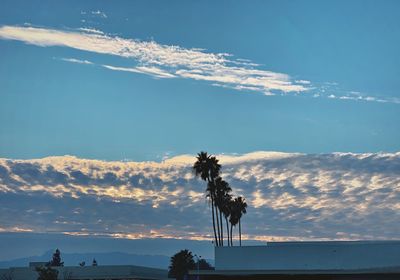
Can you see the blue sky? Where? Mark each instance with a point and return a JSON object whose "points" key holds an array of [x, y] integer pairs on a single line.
{"points": [[339, 61]]}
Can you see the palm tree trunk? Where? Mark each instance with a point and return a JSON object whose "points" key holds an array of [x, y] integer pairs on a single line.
{"points": [[240, 234], [218, 231], [222, 231], [227, 230], [213, 220], [231, 235]]}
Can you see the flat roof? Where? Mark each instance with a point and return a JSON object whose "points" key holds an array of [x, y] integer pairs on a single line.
{"points": [[393, 270], [335, 242]]}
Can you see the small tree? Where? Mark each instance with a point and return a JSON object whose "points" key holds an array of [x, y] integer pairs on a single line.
{"points": [[47, 273], [181, 263], [56, 261], [202, 264]]}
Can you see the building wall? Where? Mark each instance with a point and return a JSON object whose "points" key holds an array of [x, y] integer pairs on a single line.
{"points": [[310, 256]]}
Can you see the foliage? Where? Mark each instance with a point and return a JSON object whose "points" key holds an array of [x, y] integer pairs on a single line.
{"points": [[56, 261], [47, 273], [181, 263], [202, 264]]}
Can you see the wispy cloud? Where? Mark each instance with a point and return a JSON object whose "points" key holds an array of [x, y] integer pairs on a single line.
{"points": [[290, 196], [153, 71], [91, 30], [168, 61], [162, 60], [96, 13], [74, 60], [334, 91], [99, 13]]}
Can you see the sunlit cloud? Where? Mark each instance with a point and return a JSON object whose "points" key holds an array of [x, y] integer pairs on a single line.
{"points": [[290, 195], [162, 61], [15, 229], [169, 61]]}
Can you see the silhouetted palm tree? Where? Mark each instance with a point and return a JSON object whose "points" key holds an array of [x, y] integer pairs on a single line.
{"points": [[210, 194], [238, 208], [241, 208], [234, 216], [207, 168], [221, 195]]}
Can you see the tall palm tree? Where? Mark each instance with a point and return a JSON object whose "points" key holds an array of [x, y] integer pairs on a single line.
{"points": [[221, 192], [234, 217], [207, 168], [241, 210], [226, 210], [238, 208], [210, 194]]}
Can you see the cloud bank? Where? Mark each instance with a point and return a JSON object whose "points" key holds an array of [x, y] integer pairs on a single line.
{"points": [[162, 61], [290, 196]]}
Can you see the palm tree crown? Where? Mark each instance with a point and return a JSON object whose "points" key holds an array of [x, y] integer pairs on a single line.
{"points": [[207, 167]]}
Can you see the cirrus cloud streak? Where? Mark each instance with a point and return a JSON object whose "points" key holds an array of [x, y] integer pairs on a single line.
{"points": [[154, 58]]}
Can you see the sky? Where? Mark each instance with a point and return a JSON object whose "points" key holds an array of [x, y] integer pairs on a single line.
{"points": [[103, 106], [138, 80]]}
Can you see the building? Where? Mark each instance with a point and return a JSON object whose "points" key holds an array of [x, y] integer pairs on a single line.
{"points": [[349, 260], [103, 272]]}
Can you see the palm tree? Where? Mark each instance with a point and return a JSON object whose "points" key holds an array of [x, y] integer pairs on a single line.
{"points": [[234, 217], [207, 167], [226, 210], [210, 194], [241, 209], [238, 208], [221, 195]]}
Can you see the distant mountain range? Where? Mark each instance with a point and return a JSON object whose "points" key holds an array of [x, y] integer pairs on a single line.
{"points": [[109, 258]]}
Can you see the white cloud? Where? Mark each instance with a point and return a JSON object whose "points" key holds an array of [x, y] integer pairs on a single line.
{"points": [[75, 60], [99, 13], [169, 61], [303, 82], [91, 30], [162, 60], [333, 91], [153, 71], [290, 196]]}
